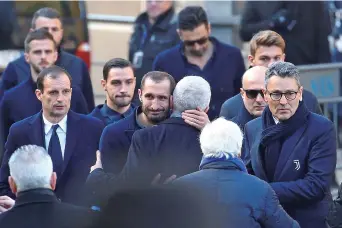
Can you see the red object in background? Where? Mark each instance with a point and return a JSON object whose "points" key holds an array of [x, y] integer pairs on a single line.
{"points": [[83, 51]]}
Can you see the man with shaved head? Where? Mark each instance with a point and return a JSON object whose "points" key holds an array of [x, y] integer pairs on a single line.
{"points": [[253, 84]]}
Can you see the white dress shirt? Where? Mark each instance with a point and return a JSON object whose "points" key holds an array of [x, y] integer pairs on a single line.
{"points": [[61, 132], [276, 121]]}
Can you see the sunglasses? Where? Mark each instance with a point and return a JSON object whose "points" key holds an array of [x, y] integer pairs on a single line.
{"points": [[193, 42], [253, 93]]}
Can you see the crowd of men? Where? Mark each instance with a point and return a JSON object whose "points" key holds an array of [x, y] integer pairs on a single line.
{"points": [[188, 139]]}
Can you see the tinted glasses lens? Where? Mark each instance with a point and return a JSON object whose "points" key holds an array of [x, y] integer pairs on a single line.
{"points": [[199, 41], [252, 94]]}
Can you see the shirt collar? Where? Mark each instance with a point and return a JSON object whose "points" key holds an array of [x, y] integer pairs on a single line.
{"points": [[62, 124], [276, 121], [107, 111]]}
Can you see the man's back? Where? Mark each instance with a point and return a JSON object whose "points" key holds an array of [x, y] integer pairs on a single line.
{"points": [[40, 208], [170, 148]]}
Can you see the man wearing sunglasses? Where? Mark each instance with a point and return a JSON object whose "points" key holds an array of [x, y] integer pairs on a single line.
{"points": [[266, 47], [253, 84], [200, 54], [292, 148]]}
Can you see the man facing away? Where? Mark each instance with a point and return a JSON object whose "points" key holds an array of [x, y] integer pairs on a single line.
{"points": [[33, 181]]}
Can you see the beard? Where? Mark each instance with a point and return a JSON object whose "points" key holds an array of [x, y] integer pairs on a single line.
{"points": [[155, 119], [121, 101]]}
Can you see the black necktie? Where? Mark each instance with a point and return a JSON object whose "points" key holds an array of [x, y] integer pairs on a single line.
{"points": [[55, 151]]}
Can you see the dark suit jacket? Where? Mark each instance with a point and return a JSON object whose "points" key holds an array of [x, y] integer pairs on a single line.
{"points": [[19, 71], [232, 106], [304, 170], [170, 148], [21, 102], [40, 208], [79, 155], [224, 79], [115, 142]]}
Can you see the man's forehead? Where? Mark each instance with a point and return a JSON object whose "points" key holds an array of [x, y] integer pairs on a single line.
{"points": [[120, 73], [48, 22], [40, 44], [157, 88], [268, 51], [280, 83]]}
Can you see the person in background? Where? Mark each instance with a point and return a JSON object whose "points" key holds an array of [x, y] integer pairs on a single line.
{"points": [[119, 83], [201, 54], [154, 31], [18, 70]]}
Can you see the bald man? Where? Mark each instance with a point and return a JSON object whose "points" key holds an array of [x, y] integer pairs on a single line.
{"points": [[253, 84]]}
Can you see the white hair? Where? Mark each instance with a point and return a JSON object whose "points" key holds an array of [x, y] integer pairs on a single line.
{"points": [[191, 92], [221, 138], [31, 167]]}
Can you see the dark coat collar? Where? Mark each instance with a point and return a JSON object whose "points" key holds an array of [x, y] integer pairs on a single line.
{"points": [[163, 21], [40, 195]]}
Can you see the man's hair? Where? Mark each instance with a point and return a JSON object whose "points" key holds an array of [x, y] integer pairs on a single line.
{"points": [[221, 138], [191, 92], [53, 72], [266, 38], [30, 167], [115, 63], [38, 34], [283, 70], [191, 17], [157, 77], [45, 12]]}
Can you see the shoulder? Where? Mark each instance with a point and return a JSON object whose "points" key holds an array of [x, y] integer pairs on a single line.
{"points": [[165, 55], [19, 61], [227, 48], [320, 123], [233, 101], [22, 124], [121, 125], [87, 121], [67, 57], [255, 123]]}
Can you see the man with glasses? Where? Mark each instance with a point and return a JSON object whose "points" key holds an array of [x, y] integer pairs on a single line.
{"points": [[292, 149], [200, 54], [253, 84]]}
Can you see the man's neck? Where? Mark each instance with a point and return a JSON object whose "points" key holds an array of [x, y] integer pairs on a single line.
{"points": [[53, 119], [34, 75], [114, 107], [144, 120]]}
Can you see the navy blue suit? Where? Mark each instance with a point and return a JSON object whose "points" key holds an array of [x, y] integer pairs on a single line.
{"points": [[224, 77], [232, 106], [79, 155], [21, 102], [115, 142], [18, 71], [304, 171]]}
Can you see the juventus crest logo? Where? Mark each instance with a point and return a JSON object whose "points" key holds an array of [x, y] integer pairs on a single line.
{"points": [[297, 164]]}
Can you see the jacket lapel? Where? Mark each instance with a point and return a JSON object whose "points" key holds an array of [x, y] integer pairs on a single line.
{"points": [[287, 150], [37, 135], [71, 137], [257, 163]]}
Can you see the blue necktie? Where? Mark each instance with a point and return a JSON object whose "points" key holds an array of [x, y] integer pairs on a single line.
{"points": [[55, 151]]}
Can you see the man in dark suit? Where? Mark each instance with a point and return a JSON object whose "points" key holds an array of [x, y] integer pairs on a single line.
{"points": [[266, 47], [292, 148], [61, 131], [119, 83], [167, 149], [200, 54], [155, 92], [21, 101], [19, 70], [33, 181]]}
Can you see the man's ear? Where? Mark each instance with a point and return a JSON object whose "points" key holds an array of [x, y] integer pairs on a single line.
{"points": [[53, 181], [12, 185], [103, 83], [140, 94], [171, 102], [38, 94], [301, 93], [251, 60], [27, 58], [241, 92]]}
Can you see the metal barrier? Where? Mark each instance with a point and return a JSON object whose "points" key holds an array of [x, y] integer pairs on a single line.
{"points": [[324, 80]]}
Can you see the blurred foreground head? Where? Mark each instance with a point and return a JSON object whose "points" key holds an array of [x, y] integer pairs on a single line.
{"points": [[167, 207]]}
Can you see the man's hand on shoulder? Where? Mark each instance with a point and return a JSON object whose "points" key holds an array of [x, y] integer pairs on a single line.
{"points": [[6, 203], [98, 163]]}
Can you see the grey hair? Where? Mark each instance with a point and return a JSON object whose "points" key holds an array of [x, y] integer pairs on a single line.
{"points": [[221, 138], [191, 92], [31, 167], [283, 70]]}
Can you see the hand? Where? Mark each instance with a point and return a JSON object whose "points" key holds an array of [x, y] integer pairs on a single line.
{"points": [[196, 118], [6, 203], [156, 179], [98, 163]]}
